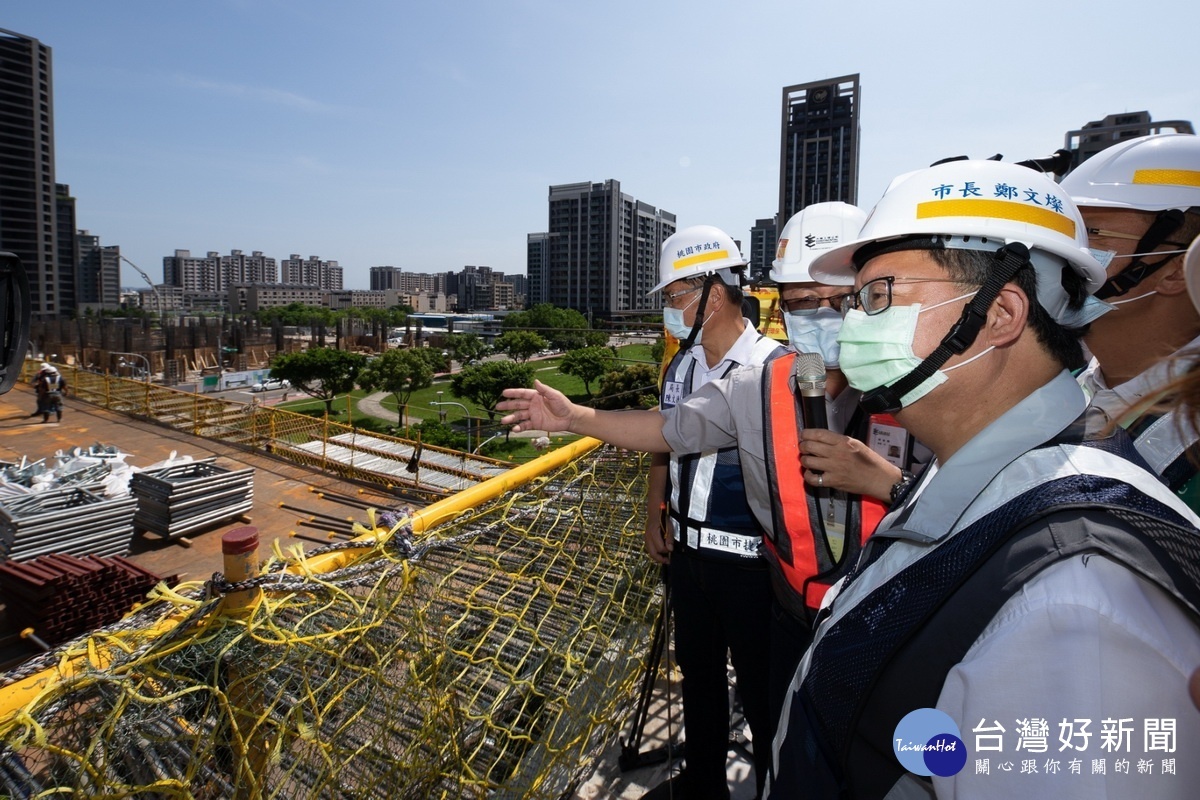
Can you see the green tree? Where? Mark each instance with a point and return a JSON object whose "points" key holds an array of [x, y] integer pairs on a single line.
{"points": [[433, 357], [635, 386], [520, 345], [565, 328], [400, 372], [482, 384], [320, 372], [439, 434], [464, 347], [587, 364]]}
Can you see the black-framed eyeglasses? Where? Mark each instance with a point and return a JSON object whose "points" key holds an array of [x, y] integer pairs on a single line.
{"points": [[671, 298], [808, 304], [875, 296]]}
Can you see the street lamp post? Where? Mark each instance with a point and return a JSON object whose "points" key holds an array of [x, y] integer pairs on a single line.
{"points": [[466, 416], [123, 363]]}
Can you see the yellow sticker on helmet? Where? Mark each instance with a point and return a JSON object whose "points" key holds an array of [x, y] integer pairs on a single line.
{"points": [[1167, 177], [700, 258], [998, 209]]}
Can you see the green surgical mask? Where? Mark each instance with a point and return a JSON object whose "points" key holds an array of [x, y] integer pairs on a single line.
{"points": [[877, 350]]}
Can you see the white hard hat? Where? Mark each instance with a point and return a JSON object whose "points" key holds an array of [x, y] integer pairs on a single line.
{"points": [[979, 205], [1191, 272], [1150, 173], [697, 251], [46, 365], [808, 234]]}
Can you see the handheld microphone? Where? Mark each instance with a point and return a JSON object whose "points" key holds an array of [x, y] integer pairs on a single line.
{"points": [[809, 372]]}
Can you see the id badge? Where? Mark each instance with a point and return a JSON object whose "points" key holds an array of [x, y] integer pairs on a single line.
{"points": [[835, 537], [672, 393], [888, 438]]}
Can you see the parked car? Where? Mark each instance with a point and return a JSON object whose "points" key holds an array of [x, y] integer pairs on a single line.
{"points": [[269, 384]]}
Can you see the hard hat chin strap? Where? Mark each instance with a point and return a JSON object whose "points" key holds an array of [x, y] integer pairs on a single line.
{"points": [[1165, 224], [695, 331], [1007, 261]]}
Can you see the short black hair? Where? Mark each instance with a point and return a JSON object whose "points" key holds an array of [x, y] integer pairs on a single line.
{"points": [[972, 267]]}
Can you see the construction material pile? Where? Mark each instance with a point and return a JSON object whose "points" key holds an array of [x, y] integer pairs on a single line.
{"points": [[60, 596], [100, 467], [182, 498], [70, 520]]}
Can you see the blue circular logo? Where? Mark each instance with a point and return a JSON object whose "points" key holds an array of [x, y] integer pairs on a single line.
{"points": [[927, 742]]}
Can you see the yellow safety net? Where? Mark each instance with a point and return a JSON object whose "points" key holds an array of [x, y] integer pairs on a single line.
{"points": [[492, 656]]}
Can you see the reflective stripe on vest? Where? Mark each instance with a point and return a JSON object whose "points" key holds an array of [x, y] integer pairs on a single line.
{"points": [[838, 727], [797, 544], [708, 507]]}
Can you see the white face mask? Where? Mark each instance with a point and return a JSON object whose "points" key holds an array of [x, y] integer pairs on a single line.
{"points": [[673, 322], [877, 350], [815, 332]]}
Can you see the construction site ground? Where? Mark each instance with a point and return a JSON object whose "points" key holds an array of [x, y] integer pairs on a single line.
{"points": [[277, 484]]}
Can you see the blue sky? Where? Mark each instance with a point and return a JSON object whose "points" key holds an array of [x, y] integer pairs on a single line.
{"points": [[425, 135]]}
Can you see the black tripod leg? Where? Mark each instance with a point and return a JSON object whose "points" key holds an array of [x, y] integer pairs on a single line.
{"points": [[631, 755]]}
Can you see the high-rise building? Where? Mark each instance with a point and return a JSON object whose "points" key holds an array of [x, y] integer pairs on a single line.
{"points": [[238, 268], [466, 285], [600, 254], [763, 239], [66, 249], [99, 282], [1099, 134], [394, 278], [537, 265], [311, 271], [193, 273], [818, 153], [29, 212]]}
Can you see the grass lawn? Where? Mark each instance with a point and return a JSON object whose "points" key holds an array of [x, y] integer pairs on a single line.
{"points": [[420, 404]]}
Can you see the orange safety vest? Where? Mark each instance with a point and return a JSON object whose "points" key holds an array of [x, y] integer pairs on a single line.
{"points": [[803, 565]]}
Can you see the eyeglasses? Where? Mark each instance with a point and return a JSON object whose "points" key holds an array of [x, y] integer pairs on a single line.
{"points": [[808, 304], [875, 296], [672, 298]]}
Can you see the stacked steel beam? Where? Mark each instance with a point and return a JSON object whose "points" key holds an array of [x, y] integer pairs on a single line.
{"points": [[70, 520], [61, 596], [188, 497]]}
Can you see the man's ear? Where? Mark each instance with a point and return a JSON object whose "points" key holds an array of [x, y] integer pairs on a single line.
{"points": [[1172, 281], [1007, 316]]}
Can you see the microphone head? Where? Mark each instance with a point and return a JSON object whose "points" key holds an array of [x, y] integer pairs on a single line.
{"points": [[809, 372]]}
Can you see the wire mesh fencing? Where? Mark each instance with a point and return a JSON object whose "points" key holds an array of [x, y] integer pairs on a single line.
{"points": [[491, 657]]}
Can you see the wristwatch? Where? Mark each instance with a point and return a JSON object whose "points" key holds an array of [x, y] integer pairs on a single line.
{"points": [[901, 485]]}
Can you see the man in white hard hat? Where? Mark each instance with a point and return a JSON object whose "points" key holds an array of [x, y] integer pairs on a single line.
{"points": [[1027, 597], [39, 387], [1140, 200], [50, 386], [812, 533], [697, 518]]}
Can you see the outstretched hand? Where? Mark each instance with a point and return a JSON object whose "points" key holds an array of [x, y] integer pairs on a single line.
{"points": [[538, 409]]}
